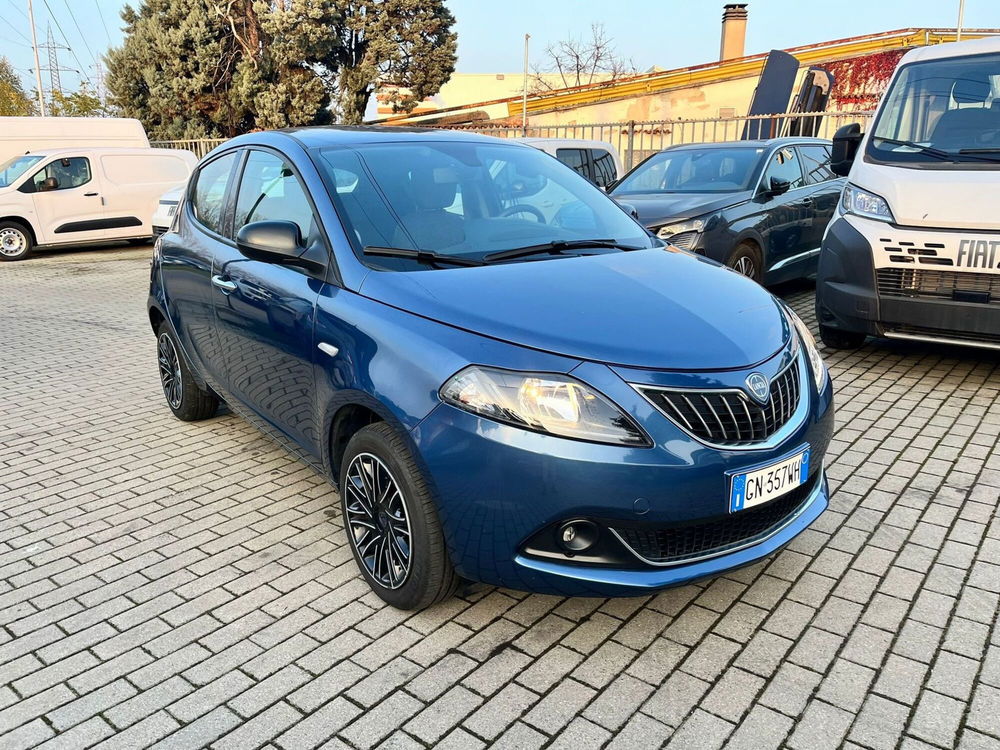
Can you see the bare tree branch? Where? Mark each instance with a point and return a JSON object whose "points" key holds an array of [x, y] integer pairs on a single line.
{"points": [[580, 62]]}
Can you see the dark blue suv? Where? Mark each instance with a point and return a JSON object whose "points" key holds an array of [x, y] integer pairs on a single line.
{"points": [[508, 379]]}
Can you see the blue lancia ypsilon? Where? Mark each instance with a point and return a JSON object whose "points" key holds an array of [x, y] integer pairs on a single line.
{"points": [[506, 376]]}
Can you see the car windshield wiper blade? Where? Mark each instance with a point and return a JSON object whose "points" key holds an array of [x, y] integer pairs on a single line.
{"points": [[929, 150], [427, 257], [555, 247], [980, 153]]}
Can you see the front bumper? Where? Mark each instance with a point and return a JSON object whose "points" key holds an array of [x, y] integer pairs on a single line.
{"points": [[847, 298], [499, 486]]}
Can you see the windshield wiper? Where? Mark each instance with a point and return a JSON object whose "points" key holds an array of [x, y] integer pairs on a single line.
{"points": [[982, 152], [929, 150], [939, 153], [427, 257], [556, 247]]}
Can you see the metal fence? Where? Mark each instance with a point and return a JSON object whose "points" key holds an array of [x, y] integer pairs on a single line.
{"points": [[635, 140]]}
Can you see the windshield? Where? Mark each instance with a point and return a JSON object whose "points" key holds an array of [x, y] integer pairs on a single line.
{"points": [[942, 112], [12, 169], [694, 170], [467, 200]]}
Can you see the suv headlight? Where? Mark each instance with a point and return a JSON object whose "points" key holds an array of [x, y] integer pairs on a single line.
{"points": [[542, 402], [862, 203], [691, 225], [819, 370]]}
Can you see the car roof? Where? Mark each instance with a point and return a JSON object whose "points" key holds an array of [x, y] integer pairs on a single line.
{"points": [[755, 143], [352, 135], [98, 150]]}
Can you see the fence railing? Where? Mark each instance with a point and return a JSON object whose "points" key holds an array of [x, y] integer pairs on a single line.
{"points": [[635, 139]]}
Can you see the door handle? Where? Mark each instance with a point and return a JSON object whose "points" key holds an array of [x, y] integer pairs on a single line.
{"points": [[90, 195], [807, 202], [224, 285]]}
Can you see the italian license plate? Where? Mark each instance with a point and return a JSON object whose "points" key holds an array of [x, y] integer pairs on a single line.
{"points": [[751, 488]]}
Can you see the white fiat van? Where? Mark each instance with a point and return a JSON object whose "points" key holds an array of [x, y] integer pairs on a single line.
{"points": [[913, 251], [596, 160], [77, 196]]}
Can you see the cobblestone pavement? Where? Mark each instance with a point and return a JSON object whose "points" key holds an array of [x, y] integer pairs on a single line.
{"points": [[189, 584]]}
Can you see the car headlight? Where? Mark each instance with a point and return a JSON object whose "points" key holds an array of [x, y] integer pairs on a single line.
{"points": [[669, 230], [862, 203], [542, 402], [809, 342]]}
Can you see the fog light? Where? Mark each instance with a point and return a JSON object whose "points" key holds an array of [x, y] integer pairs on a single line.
{"points": [[577, 535]]}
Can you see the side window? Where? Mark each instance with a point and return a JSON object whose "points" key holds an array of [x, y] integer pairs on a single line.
{"points": [[785, 165], [604, 167], [210, 190], [62, 174], [575, 158], [816, 163], [270, 191]]}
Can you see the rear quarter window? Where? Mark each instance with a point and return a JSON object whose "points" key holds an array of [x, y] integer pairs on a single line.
{"points": [[209, 193]]}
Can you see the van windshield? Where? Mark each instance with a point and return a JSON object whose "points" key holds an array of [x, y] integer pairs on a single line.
{"points": [[693, 170], [940, 113], [12, 169], [468, 200]]}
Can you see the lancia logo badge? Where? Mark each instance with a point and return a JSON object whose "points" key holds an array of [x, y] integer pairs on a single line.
{"points": [[759, 387]]}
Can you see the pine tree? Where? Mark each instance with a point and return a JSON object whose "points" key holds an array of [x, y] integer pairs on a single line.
{"points": [[210, 68], [13, 101], [407, 44]]}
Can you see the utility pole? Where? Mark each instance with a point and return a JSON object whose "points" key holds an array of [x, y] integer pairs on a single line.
{"points": [[524, 94], [38, 69], [54, 68], [961, 15]]}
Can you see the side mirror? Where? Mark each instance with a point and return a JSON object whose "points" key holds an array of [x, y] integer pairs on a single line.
{"points": [[276, 242], [49, 183], [628, 208], [845, 147], [778, 186]]}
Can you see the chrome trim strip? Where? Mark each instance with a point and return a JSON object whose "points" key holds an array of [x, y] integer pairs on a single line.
{"points": [[759, 539], [801, 256], [794, 421], [940, 340]]}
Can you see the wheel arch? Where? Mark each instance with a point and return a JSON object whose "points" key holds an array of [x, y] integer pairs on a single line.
{"points": [[26, 223]]}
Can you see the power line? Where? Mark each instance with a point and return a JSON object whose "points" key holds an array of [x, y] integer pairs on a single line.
{"points": [[15, 6], [103, 22], [14, 29], [83, 37], [55, 20]]}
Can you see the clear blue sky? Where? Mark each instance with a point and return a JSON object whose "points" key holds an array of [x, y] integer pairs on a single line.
{"points": [[667, 33]]}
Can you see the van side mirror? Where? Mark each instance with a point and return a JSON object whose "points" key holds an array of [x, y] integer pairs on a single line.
{"points": [[845, 147], [778, 186], [276, 242]]}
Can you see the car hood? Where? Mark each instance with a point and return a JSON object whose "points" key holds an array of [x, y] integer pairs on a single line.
{"points": [[656, 209], [658, 309]]}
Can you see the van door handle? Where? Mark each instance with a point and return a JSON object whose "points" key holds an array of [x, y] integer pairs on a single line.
{"points": [[90, 195], [225, 285]]}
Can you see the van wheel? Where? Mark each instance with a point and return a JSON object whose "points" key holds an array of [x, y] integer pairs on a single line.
{"points": [[186, 399], [746, 260], [836, 339], [15, 241], [391, 521]]}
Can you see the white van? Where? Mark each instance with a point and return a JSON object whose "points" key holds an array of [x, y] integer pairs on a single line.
{"points": [[913, 251], [84, 195], [598, 161], [19, 135]]}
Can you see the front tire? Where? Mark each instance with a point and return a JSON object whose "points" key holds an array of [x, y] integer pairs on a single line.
{"points": [[187, 400], [15, 241], [747, 261], [836, 339], [391, 521]]}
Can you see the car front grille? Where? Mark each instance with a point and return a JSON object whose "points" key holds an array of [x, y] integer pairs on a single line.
{"points": [[683, 240], [928, 284], [730, 417], [673, 545]]}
